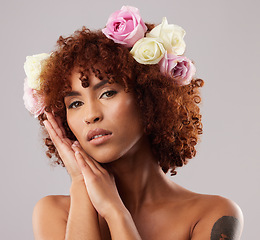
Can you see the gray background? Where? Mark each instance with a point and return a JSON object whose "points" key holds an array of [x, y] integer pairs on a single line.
{"points": [[222, 38]]}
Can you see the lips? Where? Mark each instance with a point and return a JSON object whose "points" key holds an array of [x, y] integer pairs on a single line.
{"points": [[96, 132]]}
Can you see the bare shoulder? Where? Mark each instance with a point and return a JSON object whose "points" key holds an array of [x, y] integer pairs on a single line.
{"points": [[50, 215], [52, 205], [215, 203], [220, 218]]}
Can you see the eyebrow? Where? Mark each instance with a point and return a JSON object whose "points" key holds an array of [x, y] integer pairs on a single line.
{"points": [[100, 84], [72, 94], [97, 86]]}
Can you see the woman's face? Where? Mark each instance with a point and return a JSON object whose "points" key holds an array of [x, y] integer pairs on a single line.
{"points": [[104, 118]]}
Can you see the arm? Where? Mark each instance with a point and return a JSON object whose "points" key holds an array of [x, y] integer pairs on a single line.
{"points": [[83, 218], [105, 198], [222, 220], [50, 219], [121, 224]]}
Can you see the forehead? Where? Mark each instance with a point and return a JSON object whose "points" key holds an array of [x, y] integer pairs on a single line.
{"points": [[94, 77], [78, 77]]}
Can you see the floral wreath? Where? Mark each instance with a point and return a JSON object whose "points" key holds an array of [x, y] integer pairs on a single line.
{"points": [[163, 45]]}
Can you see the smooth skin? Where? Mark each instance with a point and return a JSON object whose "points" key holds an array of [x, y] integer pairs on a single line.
{"points": [[118, 191]]}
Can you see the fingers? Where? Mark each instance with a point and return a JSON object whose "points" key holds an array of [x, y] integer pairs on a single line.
{"points": [[91, 162], [85, 168], [61, 126], [53, 135], [83, 160], [61, 144], [54, 122], [65, 151]]}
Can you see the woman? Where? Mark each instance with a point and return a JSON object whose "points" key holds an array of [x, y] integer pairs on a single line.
{"points": [[121, 109]]}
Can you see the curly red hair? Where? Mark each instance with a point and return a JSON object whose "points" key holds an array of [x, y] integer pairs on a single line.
{"points": [[170, 113]]}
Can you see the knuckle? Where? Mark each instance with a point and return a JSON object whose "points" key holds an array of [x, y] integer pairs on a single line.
{"points": [[93, 179], [99, 174], [105, 173]]}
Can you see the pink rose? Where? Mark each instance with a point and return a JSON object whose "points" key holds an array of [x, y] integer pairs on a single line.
{"points": [[125, 26], [178, 67], [33, 102]]}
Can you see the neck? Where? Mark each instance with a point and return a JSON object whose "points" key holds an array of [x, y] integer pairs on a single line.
{"points": [[139, 178]]}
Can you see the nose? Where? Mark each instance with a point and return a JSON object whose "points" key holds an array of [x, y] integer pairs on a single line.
{"points": [[92, 114]]}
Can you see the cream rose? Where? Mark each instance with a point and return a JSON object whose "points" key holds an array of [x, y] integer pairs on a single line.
{"points": [[148, 51], [32, 68], [171, 36]]}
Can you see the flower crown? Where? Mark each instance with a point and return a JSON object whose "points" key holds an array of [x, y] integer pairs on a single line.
{"points": [[163, 45]]}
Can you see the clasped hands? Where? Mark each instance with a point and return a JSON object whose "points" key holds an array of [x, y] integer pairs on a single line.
{"points": [[100, 184]]}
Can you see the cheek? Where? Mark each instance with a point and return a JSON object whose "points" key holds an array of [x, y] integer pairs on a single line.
{"points": [[126, 116], [122, 111], [75, 126]]}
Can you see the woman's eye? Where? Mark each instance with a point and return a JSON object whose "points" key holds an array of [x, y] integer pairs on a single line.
{"points": [[75, 104], [109, 94]]}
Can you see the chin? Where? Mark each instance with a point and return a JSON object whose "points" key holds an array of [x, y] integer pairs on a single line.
{"points": [[104, 156], [113, 152]]}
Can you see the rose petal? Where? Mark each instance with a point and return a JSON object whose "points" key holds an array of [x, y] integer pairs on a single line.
{"points": [[171, 35], [32, 68], [125, 26], [33, 102], [179, 67], [148, 51]]}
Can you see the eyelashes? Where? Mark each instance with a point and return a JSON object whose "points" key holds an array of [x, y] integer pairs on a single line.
{"points": [[109, 93], [105, 95], [75, 104]]}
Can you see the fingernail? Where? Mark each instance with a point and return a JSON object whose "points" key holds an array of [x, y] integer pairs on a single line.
{"points": [[46, 114], [76, 143]]}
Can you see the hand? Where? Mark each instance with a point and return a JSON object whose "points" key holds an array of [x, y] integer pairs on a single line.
{"points": [[100, 185], [64, 146]]}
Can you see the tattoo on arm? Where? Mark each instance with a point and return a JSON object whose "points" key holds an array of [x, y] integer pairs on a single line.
{"points": [[226, 228]]}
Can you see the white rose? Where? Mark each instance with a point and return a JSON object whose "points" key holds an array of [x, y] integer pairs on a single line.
{"points": [[171, 36], [148, 51], [32, 68]]}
